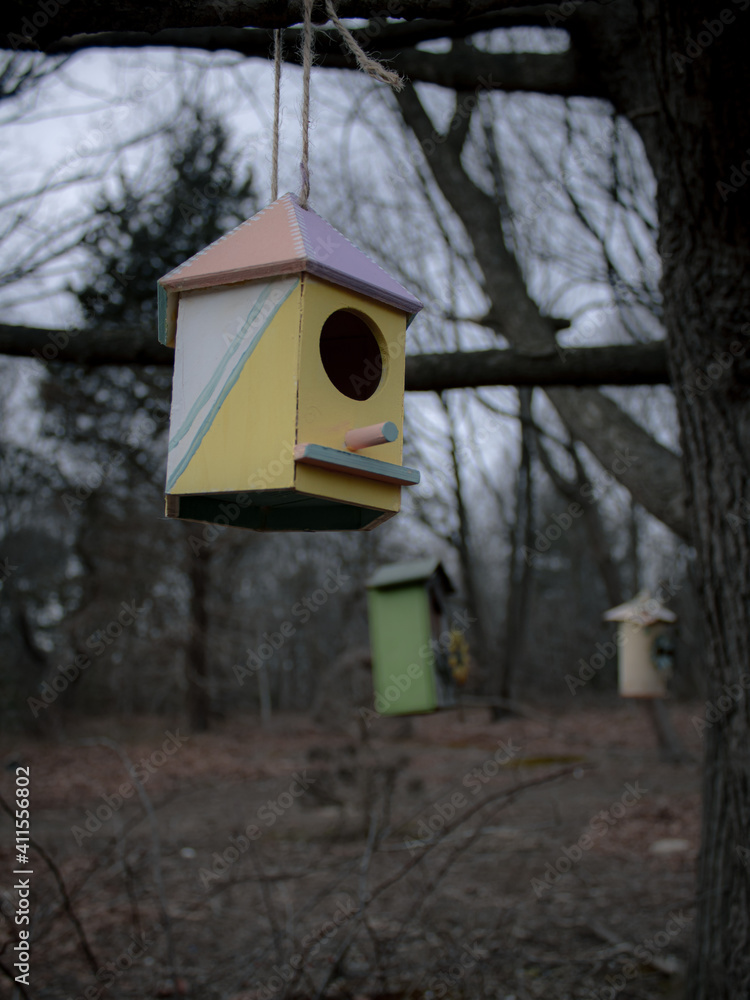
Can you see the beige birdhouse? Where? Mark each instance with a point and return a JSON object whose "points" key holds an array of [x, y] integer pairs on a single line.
{"points": [[645, 646]]}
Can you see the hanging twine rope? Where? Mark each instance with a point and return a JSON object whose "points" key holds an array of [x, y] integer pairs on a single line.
{"points": [[368, 65], [277, 45], [304, 167]]}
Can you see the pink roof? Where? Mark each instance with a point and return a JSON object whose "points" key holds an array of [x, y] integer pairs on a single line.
{"points": [[285, 238]]}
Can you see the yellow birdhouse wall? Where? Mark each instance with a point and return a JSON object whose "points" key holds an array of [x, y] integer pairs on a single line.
{"points": [[326, 413], [234, 396]]}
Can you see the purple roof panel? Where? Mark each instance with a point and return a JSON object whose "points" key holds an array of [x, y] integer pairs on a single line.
{"points": [[332, 256], [285, 238]]}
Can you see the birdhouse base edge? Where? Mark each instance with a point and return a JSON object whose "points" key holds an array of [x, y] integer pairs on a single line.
{"points": [[274, 510]]}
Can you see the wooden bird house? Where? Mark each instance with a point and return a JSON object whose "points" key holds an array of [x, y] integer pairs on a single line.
{"points": [[409, 637], [645, 646], [287, 400]]}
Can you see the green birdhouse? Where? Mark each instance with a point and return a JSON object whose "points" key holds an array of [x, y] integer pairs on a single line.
{"points": [[410, 638]]}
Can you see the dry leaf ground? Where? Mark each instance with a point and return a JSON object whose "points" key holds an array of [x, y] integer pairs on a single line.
{"points": [[293, 862]]}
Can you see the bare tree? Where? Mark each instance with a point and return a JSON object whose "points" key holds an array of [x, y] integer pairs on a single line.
{"points": [[678, 73]]}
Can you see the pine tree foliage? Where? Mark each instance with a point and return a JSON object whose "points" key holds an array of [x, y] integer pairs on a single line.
{"points": [[139, 234]]}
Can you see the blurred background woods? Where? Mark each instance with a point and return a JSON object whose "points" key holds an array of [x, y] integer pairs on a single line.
{"points": [[84, 447], [525, 214]]}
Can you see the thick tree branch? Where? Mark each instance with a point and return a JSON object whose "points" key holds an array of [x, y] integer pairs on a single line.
{"points": [[522, 324], [557, 73], [23, 20], [650, 472], [639, 364], [591, 418], [381, 35], [123, 346], [465, 68], [621, 364]]}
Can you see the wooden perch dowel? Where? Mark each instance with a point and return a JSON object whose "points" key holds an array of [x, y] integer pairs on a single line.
{"points": [[367, 437]]}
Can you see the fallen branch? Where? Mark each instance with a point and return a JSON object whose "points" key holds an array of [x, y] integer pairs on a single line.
{"points": [[508, 794], [670, 966]]}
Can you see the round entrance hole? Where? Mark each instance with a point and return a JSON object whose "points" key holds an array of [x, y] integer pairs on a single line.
{"points": [[351, 355]]}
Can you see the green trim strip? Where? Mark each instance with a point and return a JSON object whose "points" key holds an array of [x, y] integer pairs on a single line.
{"points": [[264, 511], [161, 296], [355, 465]]}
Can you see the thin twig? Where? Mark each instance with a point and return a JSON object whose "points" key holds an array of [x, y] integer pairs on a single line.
{"points": [[19, 986], [364, 899], [67, 905], [507, 795], [148, 808]]}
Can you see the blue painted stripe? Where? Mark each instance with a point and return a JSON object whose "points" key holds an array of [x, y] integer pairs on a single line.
{"points": [[210, 386], [227, 388]]}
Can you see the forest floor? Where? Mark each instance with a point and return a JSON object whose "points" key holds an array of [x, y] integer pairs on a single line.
{"points": [[545, 856]]}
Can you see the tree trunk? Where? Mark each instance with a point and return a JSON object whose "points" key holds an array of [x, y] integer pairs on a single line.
{"points": [[520, 568], [464, 547], [198, 696], [264, 695], [704, 210]]}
